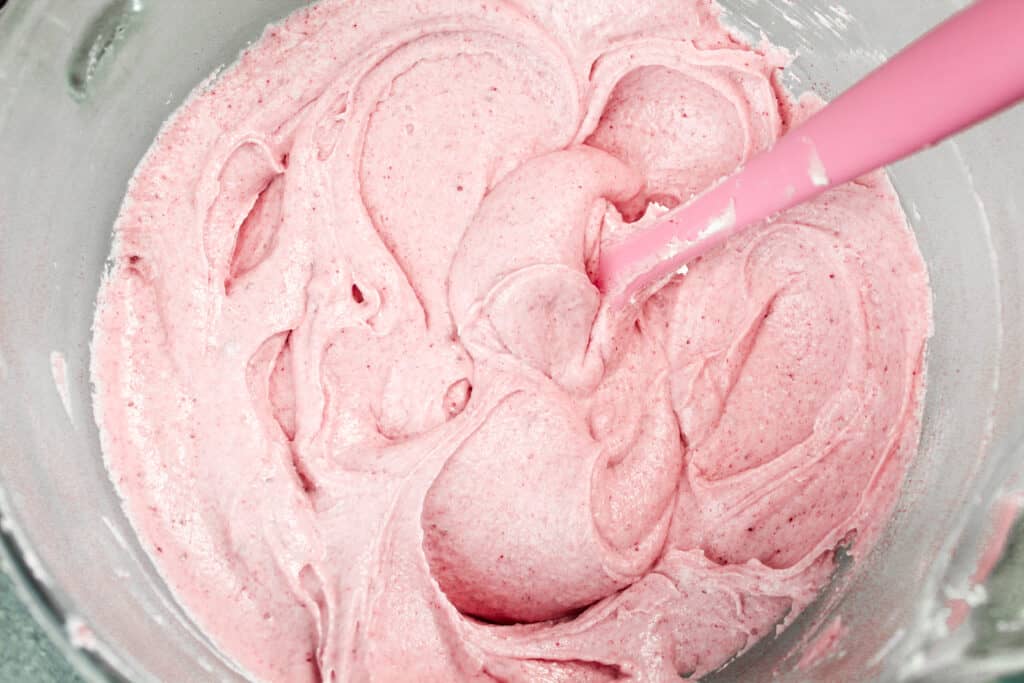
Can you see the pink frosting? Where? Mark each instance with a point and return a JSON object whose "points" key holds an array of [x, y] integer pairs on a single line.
{"points": [[374, 421]]}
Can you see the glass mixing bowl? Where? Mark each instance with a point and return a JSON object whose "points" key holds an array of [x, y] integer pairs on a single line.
{"points": [[84, 87]]}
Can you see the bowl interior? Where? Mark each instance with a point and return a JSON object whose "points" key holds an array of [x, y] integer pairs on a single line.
{"points": [[107, 74]]}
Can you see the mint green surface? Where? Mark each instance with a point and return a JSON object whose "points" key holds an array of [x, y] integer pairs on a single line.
{"points": [[26, 654]]}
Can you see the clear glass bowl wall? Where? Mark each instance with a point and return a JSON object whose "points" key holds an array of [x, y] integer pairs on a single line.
{"points": [[84, 87]]}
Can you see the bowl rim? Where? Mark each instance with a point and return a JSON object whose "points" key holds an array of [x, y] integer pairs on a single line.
{"points": [[50, 609]]}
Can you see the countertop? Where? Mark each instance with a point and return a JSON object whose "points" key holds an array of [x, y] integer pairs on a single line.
{"points": [[26, 654]]}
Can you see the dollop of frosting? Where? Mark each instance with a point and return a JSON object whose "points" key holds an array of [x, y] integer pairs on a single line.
{"points": [[373, 419]]}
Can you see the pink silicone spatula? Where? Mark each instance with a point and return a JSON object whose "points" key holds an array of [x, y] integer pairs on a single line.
{"points": [[967, 69]]}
